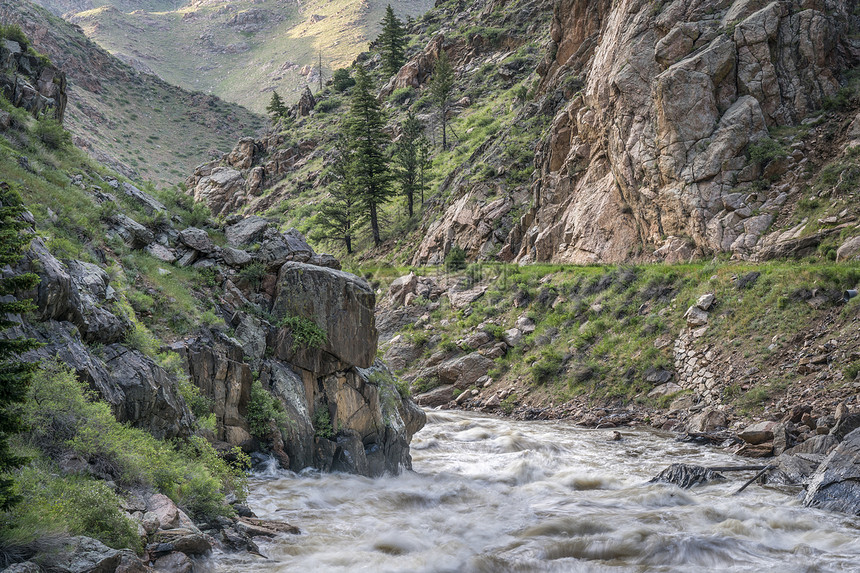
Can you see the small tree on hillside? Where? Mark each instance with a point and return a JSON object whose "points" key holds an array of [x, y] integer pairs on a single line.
{"points": [[15, 375], [367, 140], [276, 107], [340, 215], [441, 87], [392, 41], [424, 164], [406, 156]]}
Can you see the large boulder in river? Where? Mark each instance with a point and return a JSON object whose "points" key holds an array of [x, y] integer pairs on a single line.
{"points": [[339, 303], [836, 484]]}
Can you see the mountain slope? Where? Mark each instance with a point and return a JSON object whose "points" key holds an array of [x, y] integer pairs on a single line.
{"points": [[239, 50], [132, 121]]}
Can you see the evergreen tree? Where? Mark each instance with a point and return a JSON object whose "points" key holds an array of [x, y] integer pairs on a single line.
{"points": [[407, 158], [424, 164], [15, 375], [441, 86], [367, 140], [340, 216], [276, 107], [392, 41]]}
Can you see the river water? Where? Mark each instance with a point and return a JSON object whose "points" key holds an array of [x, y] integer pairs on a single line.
{"points": [[492, 496]]}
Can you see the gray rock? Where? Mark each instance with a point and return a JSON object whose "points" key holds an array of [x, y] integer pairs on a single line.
{"points": [[849, 250], [248, 230], [464, 371], [133, 233], [340, 303], [835, 486], [439, 396], [513, 337], [25, 567], [194, 544], [54, 290], [89, 296], [707, 420], [400, 287], [84, 555], [187, 259], [758, 433], [145, 200], [687, 476], [324, 260], [706, 301], [845, 425], [197, 239], [161, 253], [173, 563], [462, 299], [235, 257], [290, 246], [696, 317]]}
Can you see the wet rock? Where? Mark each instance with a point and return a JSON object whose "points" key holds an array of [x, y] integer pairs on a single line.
{"points": [[194, 544], [835, 486], [175, 562], [687, 476], [762, 450]]}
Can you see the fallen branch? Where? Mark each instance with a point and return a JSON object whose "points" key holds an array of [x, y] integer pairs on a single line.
{"points": [[758, 475]]}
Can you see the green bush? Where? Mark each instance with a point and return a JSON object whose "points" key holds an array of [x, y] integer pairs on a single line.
{"points": [[455, 260], [71, 505], [322, 424], [304, 331], [546, 366], [13, 32], [66, 417], [51, 133], [400, 95], [342, 81], [766, 150], [327, 105], [253, 274], [262, 408]]}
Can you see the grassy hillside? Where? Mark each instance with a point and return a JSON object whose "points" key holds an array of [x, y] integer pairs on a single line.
{"points": [[240, 50], [134, 122]]}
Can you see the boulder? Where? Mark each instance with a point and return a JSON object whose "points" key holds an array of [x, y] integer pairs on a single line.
{"points": [[849, 250], [248, 230], [149, 203], [290, 389], [666, 389], [687, 476], [835, 486], [845, 424], [196, 239], [84, 555], [400, 287], [222, 190], [306, 103], [164, 509], [706, 301], [696, 317], [161, 253], [89, 296], [54, 290], [175, 562], [133, 233], [340, 303], [439, 396], [758, 433], [282, 248], [325, 260], [462, 299], [707, 420], [235, 257], [464, 371]]}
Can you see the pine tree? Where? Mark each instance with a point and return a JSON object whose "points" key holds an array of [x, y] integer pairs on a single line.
{"points": [[15, 375], [407, 158], [340, 216], [276, 107], [441, 86], [424, 164], [392, 41], [367, 140]]}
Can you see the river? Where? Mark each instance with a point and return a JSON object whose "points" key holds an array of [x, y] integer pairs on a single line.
{"points": [[490, 495]]}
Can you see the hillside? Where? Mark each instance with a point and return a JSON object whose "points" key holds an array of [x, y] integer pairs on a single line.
{"points": [[548, 162], [134, 122], [237, 50]]}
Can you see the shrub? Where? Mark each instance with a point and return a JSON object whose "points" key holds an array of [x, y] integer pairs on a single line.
{"points": [[766, 150], [327, 105], [253, 274], [322, 424], [400, 95], [342, 81], [304, 331], [455, 260], [51, 133], [65, 416], [72, 505], [13, 32], [263, 408], [548, 365]]}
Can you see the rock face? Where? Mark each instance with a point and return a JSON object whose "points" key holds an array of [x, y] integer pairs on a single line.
{"points": [[653, 150], [30, 83], [836, 483]]}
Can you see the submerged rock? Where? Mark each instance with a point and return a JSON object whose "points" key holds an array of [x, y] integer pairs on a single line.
{"points": [[687, 476]]}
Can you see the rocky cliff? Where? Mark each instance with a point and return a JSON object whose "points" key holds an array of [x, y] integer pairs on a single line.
{"points": [[653, 151], [31, 82]]}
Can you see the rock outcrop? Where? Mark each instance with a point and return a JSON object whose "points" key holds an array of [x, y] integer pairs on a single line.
{"points": [[836, 483], [31, 82], [656, 108]]}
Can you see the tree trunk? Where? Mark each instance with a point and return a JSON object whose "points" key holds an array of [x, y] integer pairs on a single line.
{"points": [[348, 241], [374, 225], [409, 201]]}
